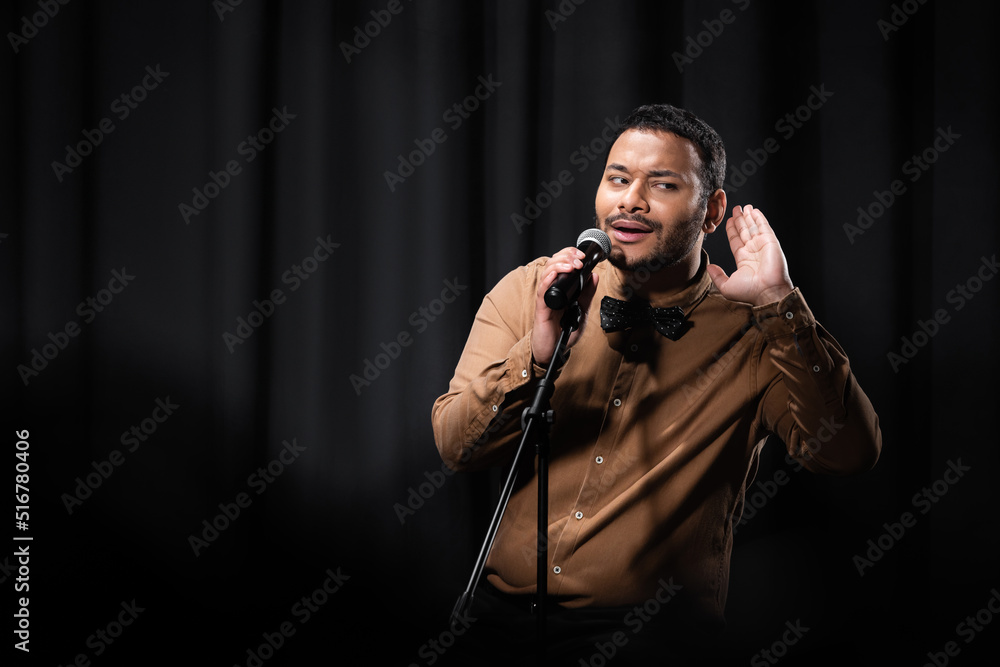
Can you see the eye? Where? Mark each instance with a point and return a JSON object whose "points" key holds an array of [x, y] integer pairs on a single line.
{"points": [[667, 186], [618, 180]]}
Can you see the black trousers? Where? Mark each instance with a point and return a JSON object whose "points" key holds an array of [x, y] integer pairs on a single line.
{"points": [[501, 630]]}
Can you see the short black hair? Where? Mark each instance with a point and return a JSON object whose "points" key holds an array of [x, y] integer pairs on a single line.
{"points": [[683, 123]]}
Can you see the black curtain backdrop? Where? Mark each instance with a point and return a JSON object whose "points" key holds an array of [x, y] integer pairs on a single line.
{"points": [[242, 243]]}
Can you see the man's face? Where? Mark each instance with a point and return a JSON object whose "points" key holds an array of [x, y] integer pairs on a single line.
{"points": [[649, 200]]}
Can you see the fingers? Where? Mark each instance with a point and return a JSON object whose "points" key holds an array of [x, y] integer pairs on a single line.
{"points": [[748, 222], [743, 222], [733, 231], [748, 228], [567, 256], [718, 275], [564, 261]]}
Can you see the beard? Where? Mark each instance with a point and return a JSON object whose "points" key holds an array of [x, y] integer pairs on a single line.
{"points": [[671, 244]]}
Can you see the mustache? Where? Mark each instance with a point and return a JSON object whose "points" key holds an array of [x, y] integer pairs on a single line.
{"points": [[635, 217]]}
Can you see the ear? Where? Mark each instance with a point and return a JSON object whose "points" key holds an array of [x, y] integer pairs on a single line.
{"points": [[715, 211]]}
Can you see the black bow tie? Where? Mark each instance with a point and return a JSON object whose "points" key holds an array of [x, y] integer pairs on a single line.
{"points": [[618, 315]]}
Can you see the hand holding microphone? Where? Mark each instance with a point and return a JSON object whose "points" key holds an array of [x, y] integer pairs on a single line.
{"points": [[566, 277], [595, 246]]}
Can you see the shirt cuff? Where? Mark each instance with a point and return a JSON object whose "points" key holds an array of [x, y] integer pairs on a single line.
{"points": [[538, 370], [788, 316]]}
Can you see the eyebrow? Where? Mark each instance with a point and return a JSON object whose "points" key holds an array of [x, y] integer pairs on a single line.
{"points": [[655, 173]]}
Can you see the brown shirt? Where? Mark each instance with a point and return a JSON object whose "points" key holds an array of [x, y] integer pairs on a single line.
{"points": [[655, 441]]}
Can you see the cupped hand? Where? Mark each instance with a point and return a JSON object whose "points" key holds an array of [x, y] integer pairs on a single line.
{"points": [[761, 275]]}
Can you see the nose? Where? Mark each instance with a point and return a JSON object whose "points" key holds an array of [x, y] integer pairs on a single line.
{"points": [[633, 199]]}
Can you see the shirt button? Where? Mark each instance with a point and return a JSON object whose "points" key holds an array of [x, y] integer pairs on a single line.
{"points": [[494, 408], [600, 460], [789, 315], [557, 569], [579, 515], [634, 347], [816, 369], [618, 402], [524, 373]]}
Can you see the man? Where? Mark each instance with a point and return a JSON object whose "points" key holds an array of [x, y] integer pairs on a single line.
{"points": [[658, 426]]}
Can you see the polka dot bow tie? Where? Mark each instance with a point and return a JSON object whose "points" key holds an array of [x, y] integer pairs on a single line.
{"points": [[618, 315]]}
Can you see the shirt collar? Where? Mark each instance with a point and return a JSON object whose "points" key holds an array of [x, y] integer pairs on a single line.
{"points": [[622, 287]]}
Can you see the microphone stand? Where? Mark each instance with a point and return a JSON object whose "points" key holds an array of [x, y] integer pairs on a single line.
{"points": [[539, 415]]}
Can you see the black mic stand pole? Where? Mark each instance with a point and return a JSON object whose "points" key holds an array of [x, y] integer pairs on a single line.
{"points": [[539, 413]]}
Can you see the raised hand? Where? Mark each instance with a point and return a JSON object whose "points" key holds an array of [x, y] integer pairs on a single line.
{"points": [[761, 275]]}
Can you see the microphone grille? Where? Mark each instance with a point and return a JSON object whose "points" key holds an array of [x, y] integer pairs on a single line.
{"points": [[597, 236]]}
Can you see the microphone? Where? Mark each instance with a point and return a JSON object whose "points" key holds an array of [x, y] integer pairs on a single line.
{"points": [[567, 287]]}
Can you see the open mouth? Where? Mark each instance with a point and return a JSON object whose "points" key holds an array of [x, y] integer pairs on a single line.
{"points": [[629, 231]]}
